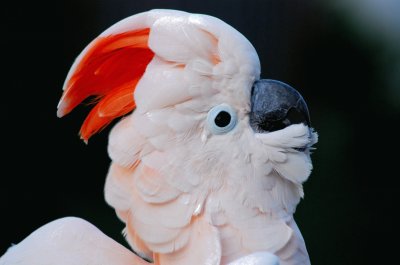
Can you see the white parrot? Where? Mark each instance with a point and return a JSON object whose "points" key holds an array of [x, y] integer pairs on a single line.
{"points": [[208, 160]]}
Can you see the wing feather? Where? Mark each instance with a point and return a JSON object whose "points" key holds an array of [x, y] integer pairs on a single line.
{"points": [[69, 241]]}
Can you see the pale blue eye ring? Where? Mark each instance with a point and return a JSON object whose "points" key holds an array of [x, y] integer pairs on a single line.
{"points": [[221, 119]]}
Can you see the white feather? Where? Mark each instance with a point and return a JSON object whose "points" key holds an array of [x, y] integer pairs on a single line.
{"points": [[161, 78], [125, 143], [175, 39], [69, 241], [202, 248], [118, 187], [296, 168], [258, 258]]}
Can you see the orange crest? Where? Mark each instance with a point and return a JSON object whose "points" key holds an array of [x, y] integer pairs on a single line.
{"points": [[109, 69]]}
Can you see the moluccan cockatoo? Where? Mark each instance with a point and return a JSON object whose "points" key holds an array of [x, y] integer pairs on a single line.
{"points": [[208, 160]]}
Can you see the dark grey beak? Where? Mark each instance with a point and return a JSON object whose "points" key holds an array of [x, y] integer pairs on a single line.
{"points": [[276, 105]]}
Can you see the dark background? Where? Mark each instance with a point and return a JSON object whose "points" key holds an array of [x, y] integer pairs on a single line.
{"points": [[344, 57]]}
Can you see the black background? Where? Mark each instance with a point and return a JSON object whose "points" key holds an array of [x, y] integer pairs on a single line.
{"points": [[347, 71]]}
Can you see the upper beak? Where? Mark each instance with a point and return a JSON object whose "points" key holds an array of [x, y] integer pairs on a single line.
{"points": [[276, 105]]}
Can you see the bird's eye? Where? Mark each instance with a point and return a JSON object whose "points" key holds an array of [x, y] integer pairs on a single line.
{"points": [[221, 119]]}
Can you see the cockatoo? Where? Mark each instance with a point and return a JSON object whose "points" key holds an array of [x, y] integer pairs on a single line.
{"points": [[208, 160]]}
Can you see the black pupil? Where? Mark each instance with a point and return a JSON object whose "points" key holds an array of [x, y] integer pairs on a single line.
{"points": [[223, 119]]}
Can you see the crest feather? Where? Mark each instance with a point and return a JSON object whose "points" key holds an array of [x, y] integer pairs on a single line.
{"points": [[108, 69]]}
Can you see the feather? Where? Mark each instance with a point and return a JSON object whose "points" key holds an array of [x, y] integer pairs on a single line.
{"points": [[69, 241], [262, 257], [109, 69], [296, 135], [203, 248], [297, 167], [164, 78], [125, 143], [295, 252], [231, 247], [175, 39], [152, 187], [272, 236], [119, 186], [136, 242]]}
